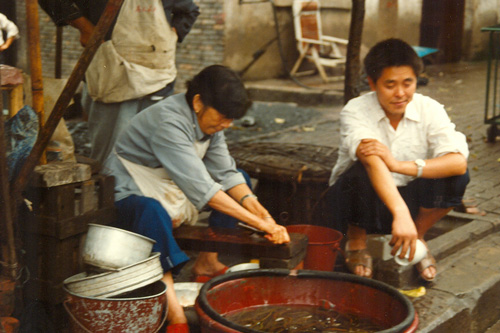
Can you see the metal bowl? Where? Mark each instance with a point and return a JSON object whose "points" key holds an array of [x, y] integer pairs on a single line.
{"points": [[109, 248], [243, 267], [116, 282]]}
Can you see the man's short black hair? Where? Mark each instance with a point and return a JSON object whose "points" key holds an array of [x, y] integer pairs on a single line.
{"points": [[391, 52], [220, 88]]}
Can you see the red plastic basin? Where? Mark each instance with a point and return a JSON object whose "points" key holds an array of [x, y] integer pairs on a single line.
{"points": [[350, 294]]}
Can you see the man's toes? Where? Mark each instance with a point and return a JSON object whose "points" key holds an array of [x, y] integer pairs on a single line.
{"points": [[360, 270], [429, 272], [363, 271]]}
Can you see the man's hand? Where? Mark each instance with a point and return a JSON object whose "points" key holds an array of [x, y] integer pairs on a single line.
{"points": [[404, 236], [372, 147]]}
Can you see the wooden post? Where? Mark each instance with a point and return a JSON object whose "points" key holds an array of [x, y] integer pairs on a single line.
{"points": [[6, 226], [35, 57], [59, 38], [353, 62]]}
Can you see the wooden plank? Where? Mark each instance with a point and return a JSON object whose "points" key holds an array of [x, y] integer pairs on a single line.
{"points": [[56, 174], [226, 240], [106, 190], [58, 202], [88, 201], [61, 229]]}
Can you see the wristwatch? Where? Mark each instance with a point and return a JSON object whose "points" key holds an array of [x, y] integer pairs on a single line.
{"points": [[420, 166]]}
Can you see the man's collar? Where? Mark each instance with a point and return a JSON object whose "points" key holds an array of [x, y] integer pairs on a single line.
{"points": [[410, 112]]}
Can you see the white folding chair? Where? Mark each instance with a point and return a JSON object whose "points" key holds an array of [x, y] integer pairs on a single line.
{"points": [[322, 50]]}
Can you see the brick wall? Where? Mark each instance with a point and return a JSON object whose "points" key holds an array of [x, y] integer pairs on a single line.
{"points": [[203, 46]]}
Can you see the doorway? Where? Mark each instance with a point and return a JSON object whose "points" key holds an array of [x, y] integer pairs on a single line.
{"points": [[442, 27]]}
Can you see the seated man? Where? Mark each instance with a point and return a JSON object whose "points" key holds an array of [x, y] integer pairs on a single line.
{"points": [[402, 166]]}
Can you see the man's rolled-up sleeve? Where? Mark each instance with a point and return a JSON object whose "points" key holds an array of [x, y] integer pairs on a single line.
{"points": [[443, 138], [355, 126]]}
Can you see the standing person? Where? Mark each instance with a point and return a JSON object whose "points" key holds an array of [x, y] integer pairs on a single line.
{"points": [[11, 34], [135, 66], [172, 161], [402, 166]]}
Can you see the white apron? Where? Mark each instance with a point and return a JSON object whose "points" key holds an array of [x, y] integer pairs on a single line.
{"points": [[140, 57], [155, 183]]}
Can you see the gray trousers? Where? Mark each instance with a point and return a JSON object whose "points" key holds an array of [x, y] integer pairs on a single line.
{"points": [[107, 120]]}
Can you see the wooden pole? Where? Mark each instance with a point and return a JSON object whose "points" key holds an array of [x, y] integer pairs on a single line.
{"points": [[7, 240], [35, 57], [74, 80], [58, 64], [353, 62]]}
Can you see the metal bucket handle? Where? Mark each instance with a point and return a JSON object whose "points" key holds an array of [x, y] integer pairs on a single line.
{"points": [[86, 330]]}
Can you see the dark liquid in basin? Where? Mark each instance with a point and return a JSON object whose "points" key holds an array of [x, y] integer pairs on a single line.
{"points": [[300, 318]]}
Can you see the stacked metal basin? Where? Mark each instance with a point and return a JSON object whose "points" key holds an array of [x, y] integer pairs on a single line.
{"points": [[121, 271]]}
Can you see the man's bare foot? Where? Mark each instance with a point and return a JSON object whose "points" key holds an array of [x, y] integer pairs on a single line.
{"points": [[207, 263], [427, 266], [358, 259]]}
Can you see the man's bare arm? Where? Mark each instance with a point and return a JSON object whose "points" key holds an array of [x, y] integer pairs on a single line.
{"points": [[404, 232], [85, 27]]}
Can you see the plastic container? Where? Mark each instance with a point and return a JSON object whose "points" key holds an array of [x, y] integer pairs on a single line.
{"points": [[322, 248], [348, 293]]}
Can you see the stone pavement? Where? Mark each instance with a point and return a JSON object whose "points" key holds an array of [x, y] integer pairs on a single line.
{"points": [[464, 298]]}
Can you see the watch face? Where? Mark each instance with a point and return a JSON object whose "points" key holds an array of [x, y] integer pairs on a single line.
{"points": [[420, 162]]}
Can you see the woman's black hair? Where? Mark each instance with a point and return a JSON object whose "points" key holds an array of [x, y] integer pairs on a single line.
{"points": [[220, 88], [391, 52]]}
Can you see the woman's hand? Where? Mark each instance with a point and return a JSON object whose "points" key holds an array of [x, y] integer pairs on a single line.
{"points": [[250, 211], [276, 233]]}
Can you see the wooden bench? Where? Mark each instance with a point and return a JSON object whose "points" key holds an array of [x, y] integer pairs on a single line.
{"points": [[245, 243]]}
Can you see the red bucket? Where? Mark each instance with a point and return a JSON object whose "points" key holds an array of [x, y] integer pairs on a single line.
{"points": [[138, 311], [322, 248]]}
